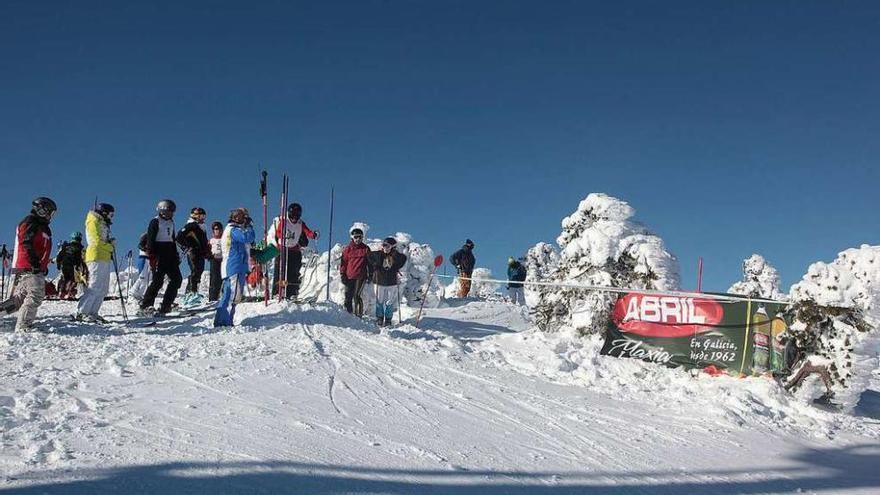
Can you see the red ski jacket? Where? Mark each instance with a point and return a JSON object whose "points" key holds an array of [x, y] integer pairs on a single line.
{"points": [[354, 261], [33, 245]]}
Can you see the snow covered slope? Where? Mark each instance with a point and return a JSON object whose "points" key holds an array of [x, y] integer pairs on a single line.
{"points": [[312, 400]]}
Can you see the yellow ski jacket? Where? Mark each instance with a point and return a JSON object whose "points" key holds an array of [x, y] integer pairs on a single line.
{"points": [[98, 236]]}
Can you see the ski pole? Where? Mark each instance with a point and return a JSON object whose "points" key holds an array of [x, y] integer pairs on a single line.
{"points": [[399, 309], [264, 194], [3, 254], [128, 274], [119, 286], [330, 241]]}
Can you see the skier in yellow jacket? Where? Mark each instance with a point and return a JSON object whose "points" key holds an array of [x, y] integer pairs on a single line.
{"points": [[99, 258]]}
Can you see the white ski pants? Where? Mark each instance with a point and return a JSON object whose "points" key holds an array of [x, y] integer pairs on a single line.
{"points": [[99, 285]]}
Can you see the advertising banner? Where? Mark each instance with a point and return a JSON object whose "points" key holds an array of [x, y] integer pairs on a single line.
{"points": [[741, 337]]}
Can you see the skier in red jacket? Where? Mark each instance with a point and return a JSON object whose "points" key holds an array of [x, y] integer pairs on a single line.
{"points": [[30, 262], [353, 269]]}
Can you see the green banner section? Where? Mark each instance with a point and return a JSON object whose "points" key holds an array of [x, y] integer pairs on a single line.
{"points": [[739, 337]]}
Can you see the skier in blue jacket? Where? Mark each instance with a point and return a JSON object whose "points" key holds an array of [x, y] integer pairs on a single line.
{"points": [[516, 275], [238, 236]]}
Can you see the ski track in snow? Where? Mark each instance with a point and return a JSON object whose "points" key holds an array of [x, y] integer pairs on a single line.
{"points": [[309, 397]]}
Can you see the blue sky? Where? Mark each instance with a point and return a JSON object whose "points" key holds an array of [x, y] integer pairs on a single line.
{"points": [[731, 127]]}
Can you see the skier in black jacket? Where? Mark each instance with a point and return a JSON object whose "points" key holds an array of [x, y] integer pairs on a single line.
{"points": [[193, 239], [463, 260], [68, 261], [383, 267], [160, 245]]}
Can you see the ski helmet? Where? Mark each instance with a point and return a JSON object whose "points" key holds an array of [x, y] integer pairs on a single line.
{"points": [[44, 207], [104, 208], [166, 208], [469, 244], [294, 210], [76, 236], [356, 232], [106, 211]]}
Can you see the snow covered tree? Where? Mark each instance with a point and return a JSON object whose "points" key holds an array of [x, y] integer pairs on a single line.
{"points": [[836, 314], [602, 246], [541, 262], [760, 279]]}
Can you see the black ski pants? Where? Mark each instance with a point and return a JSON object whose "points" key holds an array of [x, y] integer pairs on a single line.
{"points": [[171, 269], [353, 302], [294, 264], [196, 269], [216, 280]]}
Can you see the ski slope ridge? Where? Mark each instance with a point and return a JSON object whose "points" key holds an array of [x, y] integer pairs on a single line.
{"points": [[312, 400]]}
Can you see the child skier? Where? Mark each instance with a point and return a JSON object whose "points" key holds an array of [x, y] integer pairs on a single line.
{"points": [[30, 262], [296, 235], [99, 259], [384, 266], [236, 244], [353, 269], [216, 259], [193, 239], [70, 260], [160, 245]]}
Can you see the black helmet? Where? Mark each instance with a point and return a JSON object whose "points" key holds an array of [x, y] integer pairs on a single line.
{"points": [[356, 231], [469, 244], [104, 208], [44, 207], [294, 207], [166, 208], [196, 212]]}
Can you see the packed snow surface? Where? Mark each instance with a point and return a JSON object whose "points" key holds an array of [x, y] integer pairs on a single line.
{"points": [[308, 399]]}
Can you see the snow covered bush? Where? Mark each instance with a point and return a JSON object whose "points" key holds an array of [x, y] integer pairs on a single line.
{"points": [[836, 313], [541, 262], [482, 290], [601, 245], [760, 279], [415, 273]]}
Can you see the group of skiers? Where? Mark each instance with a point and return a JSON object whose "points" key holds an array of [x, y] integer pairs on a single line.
{"points": [[359, 264], [231, 251]]}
